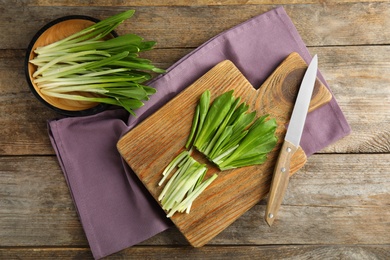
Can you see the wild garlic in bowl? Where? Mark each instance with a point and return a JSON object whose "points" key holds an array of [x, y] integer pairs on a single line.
{"points": [[78, 65]]}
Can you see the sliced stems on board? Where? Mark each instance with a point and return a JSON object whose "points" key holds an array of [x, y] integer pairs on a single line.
{"points": [[185, 184]]}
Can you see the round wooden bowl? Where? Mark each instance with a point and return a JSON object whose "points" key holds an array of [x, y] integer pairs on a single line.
{"points": [[54, 31]]}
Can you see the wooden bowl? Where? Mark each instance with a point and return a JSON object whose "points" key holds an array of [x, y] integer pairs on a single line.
{"points": [[54, 31]]}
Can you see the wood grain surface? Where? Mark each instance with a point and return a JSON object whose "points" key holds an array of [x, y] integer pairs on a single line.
{"points": [[150, 146], [340, 197]]}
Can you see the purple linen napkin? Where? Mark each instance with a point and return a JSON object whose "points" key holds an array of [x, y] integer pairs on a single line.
{"points": [[114, 208]]}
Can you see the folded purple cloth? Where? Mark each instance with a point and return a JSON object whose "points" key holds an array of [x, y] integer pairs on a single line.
{"points": [[114, 208]]}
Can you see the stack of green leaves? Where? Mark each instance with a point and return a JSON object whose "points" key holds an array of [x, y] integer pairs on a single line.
{"points": [[87, 62], [228, 135], [185, 185]]}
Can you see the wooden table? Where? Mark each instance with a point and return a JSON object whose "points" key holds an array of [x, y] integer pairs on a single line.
{"points": [[337, 206]]}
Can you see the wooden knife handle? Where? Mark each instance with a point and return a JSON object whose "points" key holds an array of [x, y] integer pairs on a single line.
{"points": [[279, 181]]}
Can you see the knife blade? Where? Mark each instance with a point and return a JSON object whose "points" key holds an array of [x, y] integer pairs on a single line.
{"points": [[291, 142]]}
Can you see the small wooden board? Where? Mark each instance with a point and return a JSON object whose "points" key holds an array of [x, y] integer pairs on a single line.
{"points": [[150, 146]]}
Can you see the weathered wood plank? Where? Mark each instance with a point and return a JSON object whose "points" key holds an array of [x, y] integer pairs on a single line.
{"points": [[36, 206], [342, 181], [181, 2], [189, 26], [335, 199], [22, 118], [210, 252], [358, 76]]}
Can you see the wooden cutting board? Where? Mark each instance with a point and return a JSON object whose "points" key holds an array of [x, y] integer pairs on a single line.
{"points": [[150, 146]]}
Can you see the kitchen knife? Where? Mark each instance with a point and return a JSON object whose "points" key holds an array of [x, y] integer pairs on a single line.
{"points": [[291, 142]]}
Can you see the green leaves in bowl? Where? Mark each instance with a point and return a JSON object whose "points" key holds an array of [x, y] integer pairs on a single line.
{"points": [[90, 66]]}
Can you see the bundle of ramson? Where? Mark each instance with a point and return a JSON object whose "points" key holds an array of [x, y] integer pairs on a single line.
{"points": [[88, 62], [228, 135]]}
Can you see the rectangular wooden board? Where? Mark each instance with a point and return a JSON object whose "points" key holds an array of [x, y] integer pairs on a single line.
{"points": [[150, 146]]}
